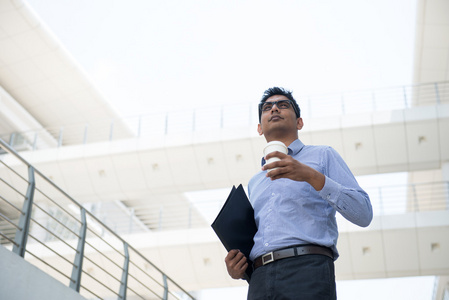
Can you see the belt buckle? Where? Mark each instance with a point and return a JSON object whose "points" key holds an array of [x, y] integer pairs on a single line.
{"points": [[267, 258]]}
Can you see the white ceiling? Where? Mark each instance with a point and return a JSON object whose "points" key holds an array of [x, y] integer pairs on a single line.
{"points": [[42, 76]]}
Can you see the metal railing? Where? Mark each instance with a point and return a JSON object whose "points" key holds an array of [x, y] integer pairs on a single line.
{"points": [[416, 197], [386, 200], [153, 126], [68, 242]]}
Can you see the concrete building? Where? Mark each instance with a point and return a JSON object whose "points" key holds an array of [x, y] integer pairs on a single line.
{"points": [[131, 173]]}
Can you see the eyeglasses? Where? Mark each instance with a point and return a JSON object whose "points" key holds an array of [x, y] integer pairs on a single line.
{"points": [[281, 104]]}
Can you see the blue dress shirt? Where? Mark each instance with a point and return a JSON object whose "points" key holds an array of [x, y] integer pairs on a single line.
{"points": [[289, 212]]}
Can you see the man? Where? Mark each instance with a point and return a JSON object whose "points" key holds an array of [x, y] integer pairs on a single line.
{"points": [[294, 208]]}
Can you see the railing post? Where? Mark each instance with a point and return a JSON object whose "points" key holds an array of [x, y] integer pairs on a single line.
{"points": [[139, 128], [310, 107], [86, 129], [12, 137], [35, 141], [161, 209], [190, 216], [381, 202], [415, 199], [193, 120], [166, 123], [405, 96], [24, 222], [250, 119], [124, 281], [164, 277], [75, 280], [111, 131], [437, 93], [447, 195], [131, 215], [61, 131]]}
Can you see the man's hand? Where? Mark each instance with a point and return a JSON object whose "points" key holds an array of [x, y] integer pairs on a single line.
{"points": [[236, 264], [290, 168]]}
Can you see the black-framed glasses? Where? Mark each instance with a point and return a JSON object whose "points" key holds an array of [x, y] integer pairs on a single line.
{"points": [[281, 104]]}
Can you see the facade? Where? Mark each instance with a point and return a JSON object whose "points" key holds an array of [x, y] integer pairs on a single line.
{"points": [[131, 173]]}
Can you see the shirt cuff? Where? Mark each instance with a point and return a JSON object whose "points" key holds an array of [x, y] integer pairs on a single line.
{"points": [[330, 191]]}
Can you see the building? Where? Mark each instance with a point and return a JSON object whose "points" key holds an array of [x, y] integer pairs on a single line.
{"points": [[133, 179]]}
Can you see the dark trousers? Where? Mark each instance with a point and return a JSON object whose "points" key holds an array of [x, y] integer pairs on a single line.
{"points": [[307, 277]]}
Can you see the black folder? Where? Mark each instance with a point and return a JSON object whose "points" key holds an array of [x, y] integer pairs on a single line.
{"points": [[235, 225]]}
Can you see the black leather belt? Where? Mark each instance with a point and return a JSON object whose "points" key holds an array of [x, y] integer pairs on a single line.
{"points": [[290, 252]]}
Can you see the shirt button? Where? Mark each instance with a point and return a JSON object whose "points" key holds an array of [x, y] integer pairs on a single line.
{"points": [[272, 194], [266, 244], [328, 196]]}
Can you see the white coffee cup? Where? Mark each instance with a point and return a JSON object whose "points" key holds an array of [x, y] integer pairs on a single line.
{"points": [[274, 146]]}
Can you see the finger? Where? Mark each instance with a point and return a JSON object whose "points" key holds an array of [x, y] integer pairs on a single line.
{"points": [[236, 265], [280, 172], [240, 262], [285, 161], [274, 176], [275, 168], [243, 269], [275, 164], [232, 260], [238, 274], [240, 270], [271, 173], [275, 154], [231, 255]]}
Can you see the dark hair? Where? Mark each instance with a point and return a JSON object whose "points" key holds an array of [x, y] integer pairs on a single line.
{"points": [[279, 91]]}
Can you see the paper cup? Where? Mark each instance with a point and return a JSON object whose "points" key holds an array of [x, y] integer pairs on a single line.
{"points": [[274, 146]]}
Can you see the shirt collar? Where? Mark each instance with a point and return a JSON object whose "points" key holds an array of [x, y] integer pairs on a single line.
{"points": [[293, 149]]}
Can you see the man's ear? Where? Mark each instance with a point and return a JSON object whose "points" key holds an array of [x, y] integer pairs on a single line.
{"points": [[299, 123], [259, 129]]}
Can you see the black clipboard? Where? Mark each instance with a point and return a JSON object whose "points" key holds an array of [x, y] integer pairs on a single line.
{"points": [[235, 225]]}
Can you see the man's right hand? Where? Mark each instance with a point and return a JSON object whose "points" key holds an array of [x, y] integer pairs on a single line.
{"points": [[236, 264]]}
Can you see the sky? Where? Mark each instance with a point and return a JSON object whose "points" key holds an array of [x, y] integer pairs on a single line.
{"points": [[163, 55], [148, 56]]}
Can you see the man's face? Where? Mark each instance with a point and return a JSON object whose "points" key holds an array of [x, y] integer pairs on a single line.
{"points": [[279, 120]]}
